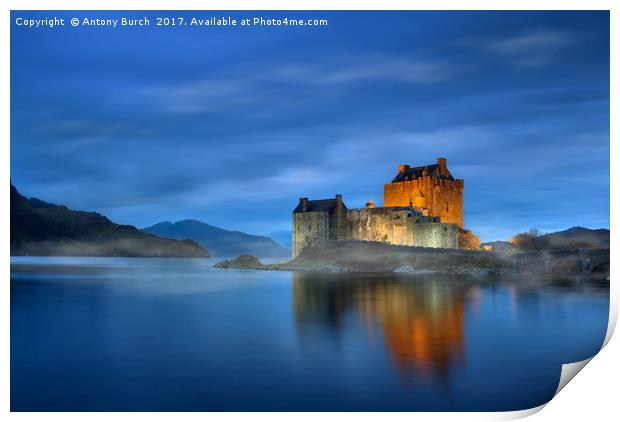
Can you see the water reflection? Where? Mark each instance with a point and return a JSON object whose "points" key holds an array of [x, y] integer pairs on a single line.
{"points": [[179, 335], [421, 321]]}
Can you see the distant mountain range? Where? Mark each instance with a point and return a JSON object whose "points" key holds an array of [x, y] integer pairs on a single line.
{"points": [[43, 229], [575, 237], [220, 242]]}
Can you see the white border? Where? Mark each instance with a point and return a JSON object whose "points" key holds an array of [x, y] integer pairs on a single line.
{"points": [[593, 395]]}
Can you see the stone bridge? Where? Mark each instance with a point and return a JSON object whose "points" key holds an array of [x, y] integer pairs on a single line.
{"points": [[564, 261]]}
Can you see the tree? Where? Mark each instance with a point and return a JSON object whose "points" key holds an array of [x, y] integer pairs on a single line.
{"points": [[534, 239], [468, 240]]}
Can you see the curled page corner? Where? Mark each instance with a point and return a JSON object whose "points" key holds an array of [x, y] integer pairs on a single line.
{"points": [[519, 414], [569, 370], [613, 320]]}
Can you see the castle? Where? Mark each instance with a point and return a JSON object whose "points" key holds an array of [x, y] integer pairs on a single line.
{"points": [[423, 206]]}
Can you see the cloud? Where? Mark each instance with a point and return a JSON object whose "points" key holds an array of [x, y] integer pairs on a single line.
{"points": [[373, 67], [204, 96], [506, 170], [533, 40], [567, 97], [531, 48], [293, 83]]}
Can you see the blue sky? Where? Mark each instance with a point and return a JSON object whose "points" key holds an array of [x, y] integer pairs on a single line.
{"points": [[232, 125]]}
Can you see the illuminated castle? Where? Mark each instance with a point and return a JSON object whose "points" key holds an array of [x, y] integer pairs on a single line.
{"points": [[423, 206]]}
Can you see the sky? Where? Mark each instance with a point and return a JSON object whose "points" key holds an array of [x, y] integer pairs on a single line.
{"points": [[232, 125]]}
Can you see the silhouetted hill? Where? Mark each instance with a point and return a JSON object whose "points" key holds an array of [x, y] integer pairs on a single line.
{"points": [[578, 237], [220, 242], [573, 238], [42, 229]]}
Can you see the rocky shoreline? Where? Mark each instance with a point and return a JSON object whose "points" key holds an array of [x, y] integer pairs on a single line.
{"points": [[379, 257]]}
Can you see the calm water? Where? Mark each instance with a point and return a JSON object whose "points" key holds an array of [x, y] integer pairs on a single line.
{"points": [[174, 334]]}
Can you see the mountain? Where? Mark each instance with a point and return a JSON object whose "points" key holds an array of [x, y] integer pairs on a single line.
{"points": [[220, 242], [43, 229], [575, 237], [578, 237]]}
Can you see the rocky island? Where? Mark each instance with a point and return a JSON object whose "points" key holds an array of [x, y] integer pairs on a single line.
{"points": [[420, 229], [358, 256]]}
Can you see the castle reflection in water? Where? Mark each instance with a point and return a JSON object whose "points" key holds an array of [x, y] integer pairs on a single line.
{"points": [[421, 321]]}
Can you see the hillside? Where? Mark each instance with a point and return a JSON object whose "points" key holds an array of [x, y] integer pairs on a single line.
{"points": [[220, 242], [578, 237], [39, 228], [573, 238]]}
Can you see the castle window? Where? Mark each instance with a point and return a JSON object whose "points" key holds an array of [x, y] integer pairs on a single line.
{"points": [[309, 226], [318, 226]]}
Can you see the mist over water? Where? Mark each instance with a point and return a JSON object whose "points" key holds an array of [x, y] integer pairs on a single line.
{"points": [[177, 334]]}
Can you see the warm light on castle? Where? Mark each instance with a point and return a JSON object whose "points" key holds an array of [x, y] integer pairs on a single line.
{"points": [[430, 188], [422, 206]]}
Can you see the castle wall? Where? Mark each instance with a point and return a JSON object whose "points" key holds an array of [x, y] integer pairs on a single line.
{"points": [[388, 225], [441, 197], [398, 227], [436, 235], [309, 229], [379, 225]]}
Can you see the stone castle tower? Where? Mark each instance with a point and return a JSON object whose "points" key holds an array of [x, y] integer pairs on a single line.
{"points": [[430, 188]]}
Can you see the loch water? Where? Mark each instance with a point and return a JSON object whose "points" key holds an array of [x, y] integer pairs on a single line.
{"points": [[125, 334]]}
